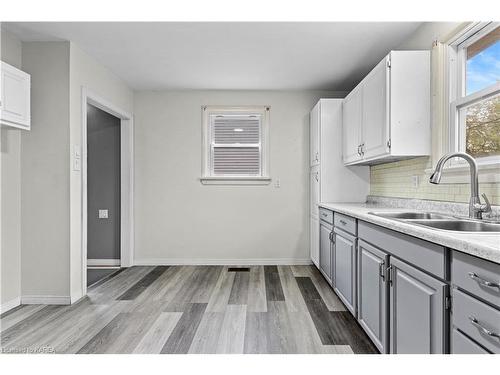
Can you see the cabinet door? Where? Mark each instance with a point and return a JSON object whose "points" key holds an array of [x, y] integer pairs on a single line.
{"points": [[314, 193], [351, 126], [325, 250], [14, 97], [375, 128], [372, 293], [345, 269], [416, 311], [314, 237], [314, 128]]}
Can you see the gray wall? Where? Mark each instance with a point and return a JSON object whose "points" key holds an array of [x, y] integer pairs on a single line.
{"points": [[428, 32], [45, 174], [103, 184], [86, 72], [10, 198], [177, 219]]}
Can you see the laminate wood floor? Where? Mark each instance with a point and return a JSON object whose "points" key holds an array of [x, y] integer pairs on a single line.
{"points": [[193, 309]]}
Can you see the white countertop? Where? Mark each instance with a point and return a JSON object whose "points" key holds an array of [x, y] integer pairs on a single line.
{"points": [[486, 246]]}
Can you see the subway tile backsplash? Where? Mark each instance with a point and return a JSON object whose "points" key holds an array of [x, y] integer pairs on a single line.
{"points": [[395, 180]]}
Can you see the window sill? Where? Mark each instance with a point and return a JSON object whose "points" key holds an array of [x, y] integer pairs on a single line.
{"points": [[460, 173], [235, 180]]}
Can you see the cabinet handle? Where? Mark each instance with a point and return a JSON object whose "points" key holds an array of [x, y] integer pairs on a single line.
{"points": [[343, 222], [486, 331], [316, 176], [390, 273], [381, 269], [489, 284], [317, 156], [359, 152]]}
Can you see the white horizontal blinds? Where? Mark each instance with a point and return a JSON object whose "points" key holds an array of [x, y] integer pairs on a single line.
{"points": [[236, 145], [236, 129], [236, 161]]}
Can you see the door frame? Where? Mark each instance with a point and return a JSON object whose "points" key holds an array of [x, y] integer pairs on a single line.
{"points": [[126, 179]]}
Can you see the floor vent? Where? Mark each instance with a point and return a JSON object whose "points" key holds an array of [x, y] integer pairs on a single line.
{"points": [[237, 269]]}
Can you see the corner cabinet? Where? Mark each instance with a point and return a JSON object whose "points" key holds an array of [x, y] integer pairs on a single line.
{"points": [[387, 116], [14, 97]]}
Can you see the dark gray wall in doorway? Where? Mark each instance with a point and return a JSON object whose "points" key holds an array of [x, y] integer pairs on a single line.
{"points": [[103, 184]]}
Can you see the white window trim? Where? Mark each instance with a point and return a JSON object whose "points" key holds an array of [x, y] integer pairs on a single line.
{"points": [[206, 177], [457, 171]]}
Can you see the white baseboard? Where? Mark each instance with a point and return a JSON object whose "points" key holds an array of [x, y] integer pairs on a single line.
{"points": [[9, 305], [45, 300], [103, 262], [221, 262]]}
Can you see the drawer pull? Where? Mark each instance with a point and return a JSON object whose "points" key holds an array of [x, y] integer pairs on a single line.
{"points": [[324, 214], [486, 331], [343, 222], [489, 284]]}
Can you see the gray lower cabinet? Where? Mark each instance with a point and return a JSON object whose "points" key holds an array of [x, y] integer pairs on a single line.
{"points": [[372, 293], [325, 250], [416, 310], [345, 268], [461, 344], [478, 320]]}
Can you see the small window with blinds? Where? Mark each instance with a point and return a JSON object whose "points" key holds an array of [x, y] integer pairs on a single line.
{"points": [[235, 144]]}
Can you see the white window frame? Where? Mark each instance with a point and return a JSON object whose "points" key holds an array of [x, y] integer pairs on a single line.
{"points": [[207, 176], [458, 100]]}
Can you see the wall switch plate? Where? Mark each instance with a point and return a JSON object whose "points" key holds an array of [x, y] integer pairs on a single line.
{"points": [[76, 152], [103, 214]]}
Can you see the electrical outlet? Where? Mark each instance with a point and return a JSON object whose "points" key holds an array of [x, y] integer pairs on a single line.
{"points": [[414, 181], [103, 214], [77, 165], [277, 183]]}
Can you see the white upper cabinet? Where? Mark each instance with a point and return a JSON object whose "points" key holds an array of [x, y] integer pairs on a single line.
{"points": [[14, 97], [374, 112], [387, 116], [351, 119], [314, 136]]}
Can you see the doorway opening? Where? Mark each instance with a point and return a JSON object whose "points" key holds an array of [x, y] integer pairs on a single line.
{"points": [[107, 225], [103, 194]]}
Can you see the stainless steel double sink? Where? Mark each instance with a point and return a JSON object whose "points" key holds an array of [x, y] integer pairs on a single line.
{"points": [[442, 222]]}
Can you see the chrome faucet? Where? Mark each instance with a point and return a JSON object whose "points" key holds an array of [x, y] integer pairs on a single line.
{"points": [[476, 209]]}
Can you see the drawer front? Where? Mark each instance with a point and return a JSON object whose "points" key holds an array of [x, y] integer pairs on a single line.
{"points": [[475, 318], [326, 215], [461, 344], [473, 275], [423, 254], [345, 223]]}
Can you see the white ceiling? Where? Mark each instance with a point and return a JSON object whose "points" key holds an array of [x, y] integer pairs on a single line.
{"points": [[271, 56]]}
